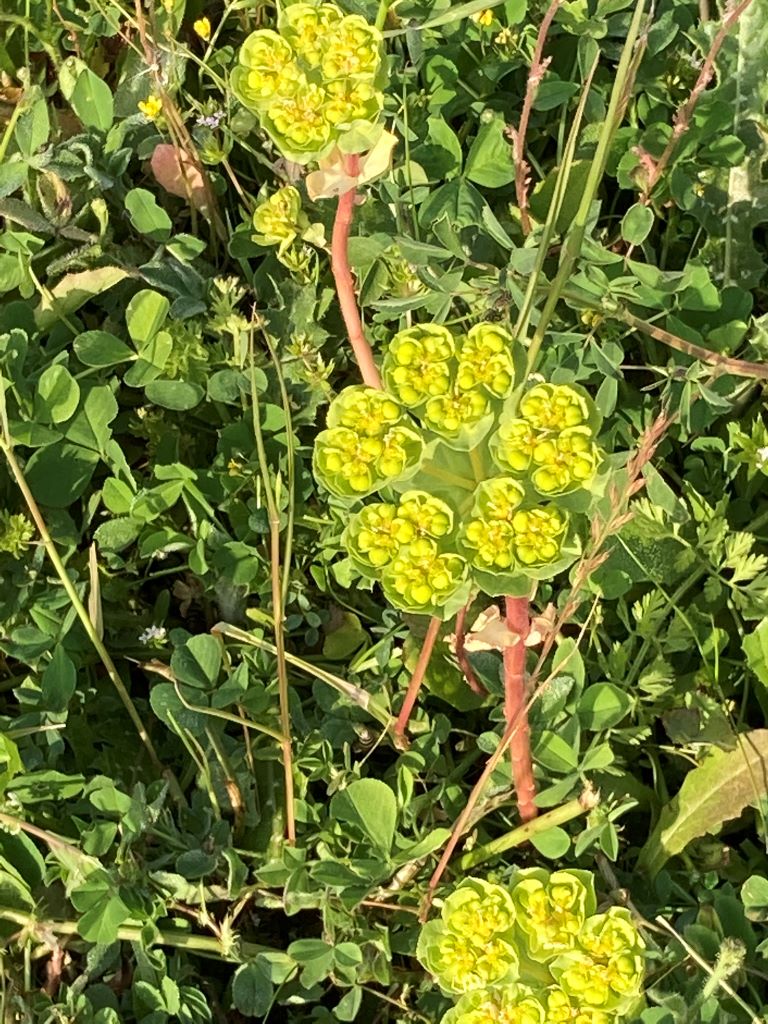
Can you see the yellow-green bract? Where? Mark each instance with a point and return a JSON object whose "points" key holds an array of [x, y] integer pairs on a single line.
{"points": [[534, 953], [315, 83]]}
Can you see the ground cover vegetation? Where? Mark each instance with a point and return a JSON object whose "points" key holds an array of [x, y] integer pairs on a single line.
{"points": [[383, 536]]}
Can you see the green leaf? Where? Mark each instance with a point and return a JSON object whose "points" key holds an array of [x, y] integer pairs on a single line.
{"points": [[73, 291], [102, 909], [198, 662], [602, 706], [145, 315], [57, 394], [755, 647], [716, 791], [489, 161], [636, 224], [59, 473], [552, 843], [174, 394], [58, 681], [348, 1006], [370, 806], [252, 990], [100, 348], [754, 896], [89, 96], [10, 762], [147, 216], [90, 428]]}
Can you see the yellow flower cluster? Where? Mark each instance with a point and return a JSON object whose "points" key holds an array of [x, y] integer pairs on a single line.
{"points": [[551, 439], [534, 954], [314, 80]]}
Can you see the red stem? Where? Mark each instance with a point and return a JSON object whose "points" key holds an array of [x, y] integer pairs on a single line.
{"points": [[416, 679], [345, 285], [461, 653], [515, 710]]}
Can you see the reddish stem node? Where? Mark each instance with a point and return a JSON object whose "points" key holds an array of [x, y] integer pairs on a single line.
{"points": [[345, 285], [416, 680], [515, 710]]}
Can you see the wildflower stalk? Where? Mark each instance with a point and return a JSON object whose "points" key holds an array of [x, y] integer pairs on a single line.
{"points": [[523, 833], [428, 645], [278, 608], [461, 653], [515, 710], [342, 275]]}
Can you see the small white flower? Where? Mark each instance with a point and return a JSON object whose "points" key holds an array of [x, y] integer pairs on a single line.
{"points": [[153, 634], [761, 457]]}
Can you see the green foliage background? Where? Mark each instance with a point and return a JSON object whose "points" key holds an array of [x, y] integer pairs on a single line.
{"points": [[162, 373]]}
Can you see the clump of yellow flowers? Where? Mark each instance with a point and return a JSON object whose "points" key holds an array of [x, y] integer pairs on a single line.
{"points": [[477, 484], [315, 82], [534, 953]]}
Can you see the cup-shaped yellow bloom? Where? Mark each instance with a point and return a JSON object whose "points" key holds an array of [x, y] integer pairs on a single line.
{"points": [[276, 221], [307, 27], [353, 49], [266, 68], [513, 444], [451, 413], [539, 534], [562, 1009], [426, 515], [297, 122], [350, 101], [564, 461], [479, 910], [554, 407], [460, 964], [417, 365], [375, 535], [202, 28], [551, 909], [606, 970], [498, 498], [421, 579], [352, 465], [151, 107], [510, 1004], [366, 410], [485, 359]]}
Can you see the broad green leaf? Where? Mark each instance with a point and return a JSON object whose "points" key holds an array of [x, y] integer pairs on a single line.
{"points": [[91, 427], [636, 224], [252, 991], [754, 896], [100, 348], [59, 473], [716, 791], [73, 291], [178, 395], [147, 216], [57, 394], [602, 706], [58, 681], [489, 161], [552, 843], [145, 315], [755, 646], [370, 806], [89, 96], [198, 662]]}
